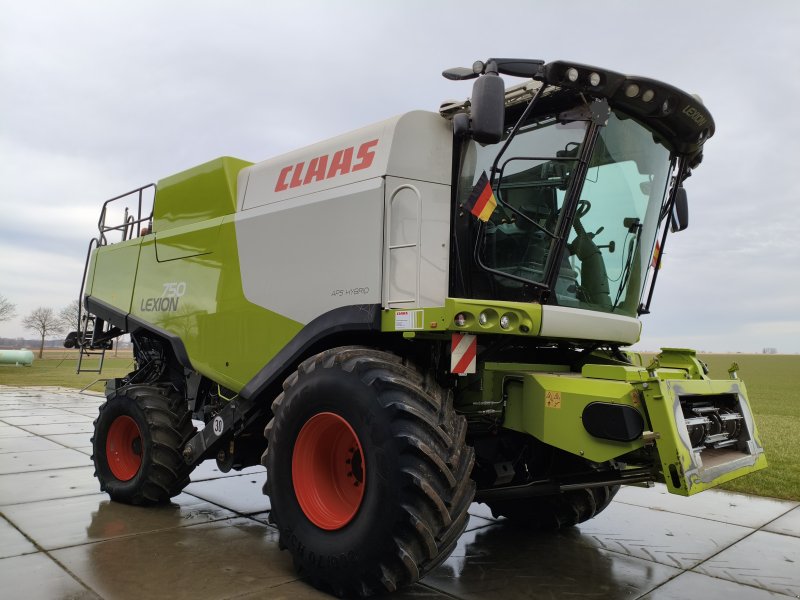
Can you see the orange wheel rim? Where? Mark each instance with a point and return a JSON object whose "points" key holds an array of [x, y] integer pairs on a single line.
{"points": [[328, 471], [124, 448]]}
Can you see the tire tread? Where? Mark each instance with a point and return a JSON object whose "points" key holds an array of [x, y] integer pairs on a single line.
{"points": [[436, 475], [170, 426]]}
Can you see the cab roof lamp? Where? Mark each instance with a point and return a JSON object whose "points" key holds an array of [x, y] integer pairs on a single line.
{"points": [[572, 74], [594, 79]]}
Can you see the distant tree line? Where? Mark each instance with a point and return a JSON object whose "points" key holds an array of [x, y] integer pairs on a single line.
{"points": [[43, 320], [7, 309]]}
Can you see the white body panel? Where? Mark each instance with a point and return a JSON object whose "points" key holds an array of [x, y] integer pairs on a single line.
{"points": [[359, 219], [309, 255], [579, 324], [415, 145]]}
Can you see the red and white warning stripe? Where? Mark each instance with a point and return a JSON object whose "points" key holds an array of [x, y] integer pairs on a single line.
{"points": [[463, 354]]}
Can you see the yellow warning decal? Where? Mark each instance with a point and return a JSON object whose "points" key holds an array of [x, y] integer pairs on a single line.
{"points": [[552, 399]]}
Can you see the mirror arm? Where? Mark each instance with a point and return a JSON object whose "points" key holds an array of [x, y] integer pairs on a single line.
{"points": [[683, 170], [513, 132]]}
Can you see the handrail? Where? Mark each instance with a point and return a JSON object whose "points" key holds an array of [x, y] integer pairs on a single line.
{"points": [[83, 323], [130, 225]]}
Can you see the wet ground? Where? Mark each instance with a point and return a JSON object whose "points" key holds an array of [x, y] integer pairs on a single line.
{"points": [[60, 538]]}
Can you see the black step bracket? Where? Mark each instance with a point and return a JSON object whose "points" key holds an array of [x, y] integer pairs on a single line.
{"points": [[231, 420]]}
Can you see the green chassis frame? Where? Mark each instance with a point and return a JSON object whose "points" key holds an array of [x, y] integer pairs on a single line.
{"points": [[547, 401]]}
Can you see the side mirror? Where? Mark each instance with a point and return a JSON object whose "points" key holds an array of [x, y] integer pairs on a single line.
{"points": [[488, 108], [680, 211]]}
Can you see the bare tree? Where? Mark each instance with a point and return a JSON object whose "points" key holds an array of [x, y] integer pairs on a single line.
{"points": [[69, 316], [43, 321], [7, 309]]}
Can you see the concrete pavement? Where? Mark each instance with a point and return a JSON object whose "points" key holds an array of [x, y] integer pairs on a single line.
{"points": [[61, 538]]}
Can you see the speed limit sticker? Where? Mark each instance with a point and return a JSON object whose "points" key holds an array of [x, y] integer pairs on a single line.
{"points": [[218, 425]]}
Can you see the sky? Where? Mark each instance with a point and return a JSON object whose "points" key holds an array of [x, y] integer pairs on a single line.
{"points": [[97, 98]]}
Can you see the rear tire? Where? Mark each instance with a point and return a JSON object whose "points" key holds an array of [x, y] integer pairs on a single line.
{"points": [[367, 471], [137, 443], [550, 513]]}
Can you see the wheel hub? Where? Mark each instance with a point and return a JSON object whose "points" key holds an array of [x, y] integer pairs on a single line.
{"points": [[328, 471], [124, 448]]}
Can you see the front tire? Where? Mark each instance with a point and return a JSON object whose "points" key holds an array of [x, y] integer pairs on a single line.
{"points": [[367, 471], [138, 437]]}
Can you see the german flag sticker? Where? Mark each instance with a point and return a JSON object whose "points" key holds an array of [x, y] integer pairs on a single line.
{"points": [[481, 201], [656, 255]]}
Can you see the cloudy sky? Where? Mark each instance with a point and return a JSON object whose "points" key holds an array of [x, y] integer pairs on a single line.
{"points": [[97, 98]]}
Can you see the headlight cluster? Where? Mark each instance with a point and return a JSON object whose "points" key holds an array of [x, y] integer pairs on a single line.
{"points": [[677, 116], [646, 95], [490, 319], [609, 83], [593, 78]]}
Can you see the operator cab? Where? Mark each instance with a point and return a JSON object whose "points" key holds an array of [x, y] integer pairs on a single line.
{"points": [[586, 166]]}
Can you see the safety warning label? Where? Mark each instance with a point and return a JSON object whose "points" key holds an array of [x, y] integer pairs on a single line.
{"points": [[552, 399], [408, 319]]}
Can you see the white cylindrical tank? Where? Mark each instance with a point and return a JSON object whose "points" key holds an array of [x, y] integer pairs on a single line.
{"points": [[16, 357]]}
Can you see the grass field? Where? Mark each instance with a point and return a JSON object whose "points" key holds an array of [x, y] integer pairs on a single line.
{"points": [[772, 383], [58, 368]]}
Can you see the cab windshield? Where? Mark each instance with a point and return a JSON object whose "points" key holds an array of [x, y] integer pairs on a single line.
{"points": [[610, 241]]}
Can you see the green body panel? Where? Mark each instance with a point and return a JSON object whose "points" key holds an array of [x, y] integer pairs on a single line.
{"points": [[187, 240], [547, 401], [613, 372], [185, 278], [197, 194], [521, 315], [200, 299], [549, 404], [112, 273], [682, 359]]}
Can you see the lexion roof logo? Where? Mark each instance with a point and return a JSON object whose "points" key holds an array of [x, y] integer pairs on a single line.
{"points": [[695, 115]]}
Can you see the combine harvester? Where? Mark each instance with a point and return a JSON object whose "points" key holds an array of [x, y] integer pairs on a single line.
{"points": [[426, 312]]}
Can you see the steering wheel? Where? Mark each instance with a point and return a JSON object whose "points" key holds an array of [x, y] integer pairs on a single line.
{"points": [[584, 206]]}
